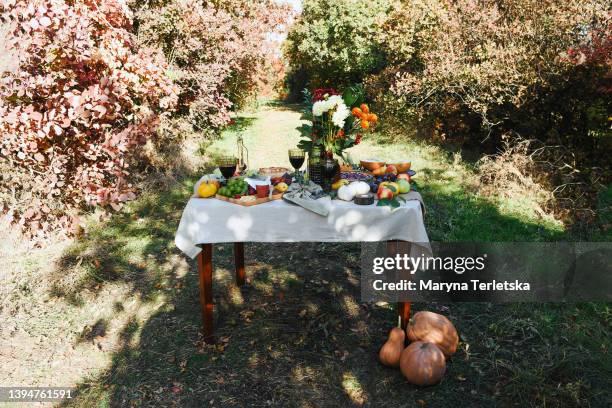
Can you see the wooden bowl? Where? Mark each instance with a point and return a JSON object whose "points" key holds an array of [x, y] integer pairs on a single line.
{"points": [[273, 171], [372, 164], [402, 166]]}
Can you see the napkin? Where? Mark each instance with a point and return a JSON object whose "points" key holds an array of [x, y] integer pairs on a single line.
{"points": [[309, 196], [254, 182]]}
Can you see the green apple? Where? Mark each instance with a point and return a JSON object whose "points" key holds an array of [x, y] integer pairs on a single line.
{"points": [[404, 186]]}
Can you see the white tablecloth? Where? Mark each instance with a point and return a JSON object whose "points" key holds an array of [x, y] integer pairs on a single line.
{"points": [[213, 221]]}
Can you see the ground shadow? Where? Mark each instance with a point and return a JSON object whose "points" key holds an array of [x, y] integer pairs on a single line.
{"points": [[298, 335]]}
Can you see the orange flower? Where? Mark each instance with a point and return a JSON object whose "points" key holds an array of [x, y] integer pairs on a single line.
{"points": [[365, 124], [357, 112], [372, 117], [365, 108]]}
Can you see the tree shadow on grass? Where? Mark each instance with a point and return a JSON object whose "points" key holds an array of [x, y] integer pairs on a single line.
{"points": [[281, 105], [297, 334]]}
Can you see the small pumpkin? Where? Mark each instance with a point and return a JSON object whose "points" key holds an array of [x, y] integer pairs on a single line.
{"points": [[391, 351], [422, 363], [207, 189], [434, 328]]}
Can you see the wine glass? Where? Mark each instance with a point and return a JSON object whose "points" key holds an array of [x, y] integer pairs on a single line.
{"points": [[227, 165], [296, 158]]}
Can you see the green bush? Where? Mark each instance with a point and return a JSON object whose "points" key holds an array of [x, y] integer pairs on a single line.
{"points": [[331, 44], [476, 72], [484, 68]]}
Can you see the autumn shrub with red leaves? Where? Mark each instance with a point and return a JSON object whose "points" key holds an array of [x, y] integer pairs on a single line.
{"points": [[217, 51], [75, 115]]}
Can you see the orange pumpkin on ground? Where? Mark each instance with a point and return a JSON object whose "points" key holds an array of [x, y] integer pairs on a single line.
{"points": [[422, 363], [434, 328], [391, 351]]}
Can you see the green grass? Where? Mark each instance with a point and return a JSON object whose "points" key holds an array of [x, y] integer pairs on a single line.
{"points": [[297, 334]]}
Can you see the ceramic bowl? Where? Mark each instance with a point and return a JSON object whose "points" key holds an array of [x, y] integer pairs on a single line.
{"points": [[402, 166], [372, 164]]}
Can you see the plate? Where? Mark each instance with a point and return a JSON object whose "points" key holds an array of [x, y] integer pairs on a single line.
{"points": [[355, 176]]}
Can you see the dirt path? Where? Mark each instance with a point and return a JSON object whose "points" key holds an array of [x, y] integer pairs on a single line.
{"points": [[268, 135]]}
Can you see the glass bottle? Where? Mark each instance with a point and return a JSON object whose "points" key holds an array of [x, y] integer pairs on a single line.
{"points": [[315, 165], [331, 171]]}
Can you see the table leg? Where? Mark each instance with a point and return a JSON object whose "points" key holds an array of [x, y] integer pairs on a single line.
{"points": [[403, 308], [239, 262], [205, 268]]}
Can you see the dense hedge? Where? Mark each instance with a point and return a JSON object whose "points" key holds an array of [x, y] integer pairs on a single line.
{"points": [[474, 71], [217, 50], [93, 80], [333, 43], [75, 114]]}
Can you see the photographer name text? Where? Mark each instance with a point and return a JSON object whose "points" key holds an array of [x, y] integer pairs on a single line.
{"points": [[430, 285]]}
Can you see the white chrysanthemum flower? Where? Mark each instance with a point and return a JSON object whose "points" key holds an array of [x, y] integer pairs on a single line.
{"points": [[319, 107], [335, 100], [342, 112]]}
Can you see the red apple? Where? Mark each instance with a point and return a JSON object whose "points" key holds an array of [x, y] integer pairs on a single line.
{"points": [[384, 192], [391, 169], [404, 176]]}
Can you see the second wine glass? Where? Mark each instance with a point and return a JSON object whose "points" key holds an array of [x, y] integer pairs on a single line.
{"points": [[296, 158], [227, 165]]}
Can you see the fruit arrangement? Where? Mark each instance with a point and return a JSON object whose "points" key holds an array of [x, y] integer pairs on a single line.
{"points": [[354, 176], [388, 176], [434, 340], [235, 188], [285, 178], [377, 180]]}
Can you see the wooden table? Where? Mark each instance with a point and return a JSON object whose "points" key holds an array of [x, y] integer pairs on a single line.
{"points": [[205, 270]]}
